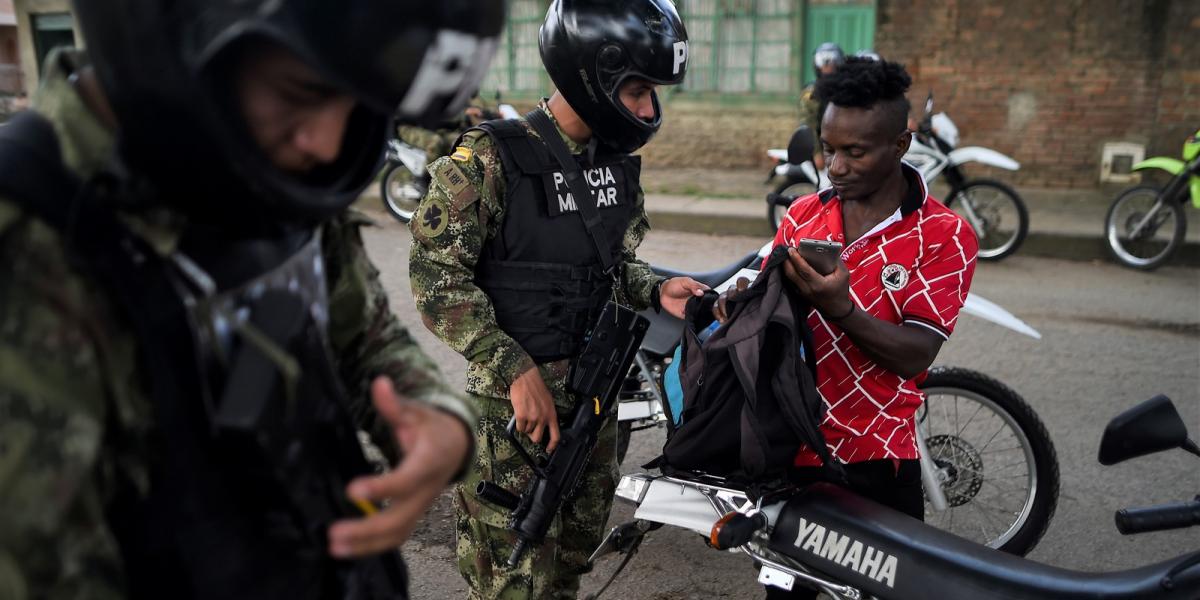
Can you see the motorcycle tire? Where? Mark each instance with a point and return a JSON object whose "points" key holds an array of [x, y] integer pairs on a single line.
{"points": [[970, 449], [1006, 205], [400, 191], [791, 189], [1141, 253]]}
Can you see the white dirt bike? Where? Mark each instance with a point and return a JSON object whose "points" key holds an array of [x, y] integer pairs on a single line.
{"points": [[826, 538], [972, 430], [404, 180]]}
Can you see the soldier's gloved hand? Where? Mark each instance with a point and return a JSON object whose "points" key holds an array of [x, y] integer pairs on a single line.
{"points": [[674, 294], [434, 444], [533, 408]]}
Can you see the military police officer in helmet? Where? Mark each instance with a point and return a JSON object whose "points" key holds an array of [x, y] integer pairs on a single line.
{"points": [[191, 333], [505, 272]]}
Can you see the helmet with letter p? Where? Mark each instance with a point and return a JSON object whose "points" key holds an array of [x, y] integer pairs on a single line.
{"points": [[591, 47]]}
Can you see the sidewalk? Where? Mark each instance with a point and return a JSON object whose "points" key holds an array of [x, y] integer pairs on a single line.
{"points": [[1064, 224]]}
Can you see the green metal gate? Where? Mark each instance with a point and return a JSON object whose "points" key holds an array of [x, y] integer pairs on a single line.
{"points": [[741, 50], [851, 26]]}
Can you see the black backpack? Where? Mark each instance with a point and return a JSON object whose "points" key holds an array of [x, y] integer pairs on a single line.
{"points": [[750, 398]]}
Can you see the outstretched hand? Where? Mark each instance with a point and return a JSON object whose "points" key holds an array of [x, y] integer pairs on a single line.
{"points": [[674, 294], [434, 444]]}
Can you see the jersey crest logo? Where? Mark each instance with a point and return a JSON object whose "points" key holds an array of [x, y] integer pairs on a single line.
{"points": [[894, 277]]}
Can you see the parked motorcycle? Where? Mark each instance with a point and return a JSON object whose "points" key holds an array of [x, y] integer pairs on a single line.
{"points": [[1002, 442], [827, 538], [994, 210], [405, 180], [1146, 225]]}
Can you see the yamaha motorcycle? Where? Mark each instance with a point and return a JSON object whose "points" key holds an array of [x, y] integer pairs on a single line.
{"points": [[829, 539], [972, 430]]}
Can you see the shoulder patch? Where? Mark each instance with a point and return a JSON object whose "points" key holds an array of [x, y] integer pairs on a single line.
{"points": [[462, 154], [432, 220], [456, 183]]}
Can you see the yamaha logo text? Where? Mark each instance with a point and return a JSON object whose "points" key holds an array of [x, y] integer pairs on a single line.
{"points": [[847, 552]]}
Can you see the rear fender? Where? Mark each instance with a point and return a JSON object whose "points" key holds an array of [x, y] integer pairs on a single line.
{"points": [[1174, 166], [982, 155]]}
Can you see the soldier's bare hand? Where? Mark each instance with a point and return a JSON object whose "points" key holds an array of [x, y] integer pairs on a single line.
{"points": [[533, 408], [721, 308], [674, 294], [434, 444]]}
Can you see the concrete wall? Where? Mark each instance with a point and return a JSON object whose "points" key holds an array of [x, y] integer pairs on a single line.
{"points": [[24, 8], [1050, 82]]}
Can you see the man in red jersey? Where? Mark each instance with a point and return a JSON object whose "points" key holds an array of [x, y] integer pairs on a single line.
{"points": [[880, 318]]}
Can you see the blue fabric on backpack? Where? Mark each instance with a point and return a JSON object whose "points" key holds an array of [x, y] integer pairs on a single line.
{"points": [[671, 383]]}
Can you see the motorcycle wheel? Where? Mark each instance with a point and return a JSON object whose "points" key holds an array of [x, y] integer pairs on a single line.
{"points": [[998, 467], [791, 189], [400, 191], [997, 214], [1158, 241]]}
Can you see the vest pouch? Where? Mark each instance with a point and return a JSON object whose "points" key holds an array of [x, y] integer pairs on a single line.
{"points": [[546, 307]]}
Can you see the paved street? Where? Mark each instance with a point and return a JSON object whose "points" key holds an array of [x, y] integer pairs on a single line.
{"points": [[1112, 337]]}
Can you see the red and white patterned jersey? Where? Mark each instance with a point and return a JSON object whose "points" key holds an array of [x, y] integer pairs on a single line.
{"points": [[914, 268]]}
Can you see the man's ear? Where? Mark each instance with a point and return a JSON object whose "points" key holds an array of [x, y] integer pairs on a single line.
{"points": [[903, 142]]}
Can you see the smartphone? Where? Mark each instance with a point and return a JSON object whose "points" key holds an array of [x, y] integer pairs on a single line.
{"points": [[822, 255]]}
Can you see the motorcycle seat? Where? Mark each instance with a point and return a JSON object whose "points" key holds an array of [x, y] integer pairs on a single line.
{"points": [[891, 555], [665, 330], [713, 278]]}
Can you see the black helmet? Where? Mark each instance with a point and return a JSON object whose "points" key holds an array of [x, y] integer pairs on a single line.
{"points": [[165, 67], [827, 53], [590, 47]]}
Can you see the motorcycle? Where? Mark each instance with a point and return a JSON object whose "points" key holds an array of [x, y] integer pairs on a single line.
{"points": [[993, 209], [1140, 213], [405, 180], [1010, 513], [829, 539]]}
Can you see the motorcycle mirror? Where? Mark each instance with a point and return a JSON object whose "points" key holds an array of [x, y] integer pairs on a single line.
{"points": [[929, 102], [801, 148], [1152, 426]]}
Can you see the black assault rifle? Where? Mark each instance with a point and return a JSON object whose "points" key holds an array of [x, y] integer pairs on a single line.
{"points": [[596, 376]]}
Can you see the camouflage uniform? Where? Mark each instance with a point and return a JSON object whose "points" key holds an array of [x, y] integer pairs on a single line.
{"points": [[74, 417], [439, 142], [462, 211], [811, 114]]}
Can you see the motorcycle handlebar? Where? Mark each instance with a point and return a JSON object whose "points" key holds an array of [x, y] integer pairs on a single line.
{"points": [[1177, 515]]}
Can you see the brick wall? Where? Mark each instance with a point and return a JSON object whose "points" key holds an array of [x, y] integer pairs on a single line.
{"points": [[1050, 82]]}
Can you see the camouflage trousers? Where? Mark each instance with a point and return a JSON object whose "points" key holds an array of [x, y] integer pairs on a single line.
{"points": [[548, 570]]}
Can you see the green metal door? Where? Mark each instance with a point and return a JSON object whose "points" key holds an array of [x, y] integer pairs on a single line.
{"points": [[851, 26]]}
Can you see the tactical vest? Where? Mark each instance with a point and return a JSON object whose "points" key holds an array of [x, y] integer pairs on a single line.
{"points": [[541, 271], [252, 445]]}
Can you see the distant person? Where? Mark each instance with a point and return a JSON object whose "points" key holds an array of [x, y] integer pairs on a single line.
{"points": [[826, 59]]}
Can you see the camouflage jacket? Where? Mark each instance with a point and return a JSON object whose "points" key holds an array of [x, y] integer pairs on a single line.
{"points": [[810, 113], [73, 414], [463, 210]]}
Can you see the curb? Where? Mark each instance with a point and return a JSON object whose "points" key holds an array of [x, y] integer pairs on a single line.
{"points": [[1037, 243]]}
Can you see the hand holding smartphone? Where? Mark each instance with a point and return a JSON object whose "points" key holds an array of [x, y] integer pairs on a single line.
{"points": [[823, 256]]}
